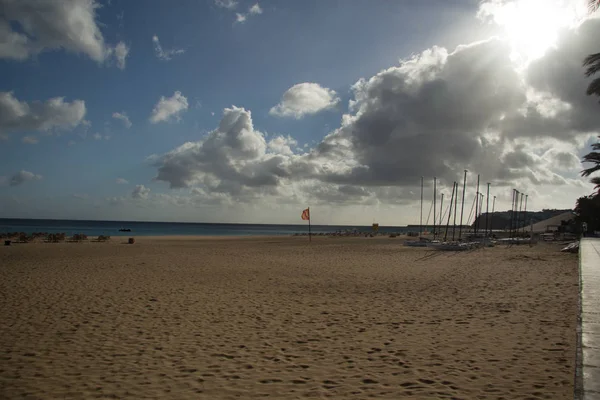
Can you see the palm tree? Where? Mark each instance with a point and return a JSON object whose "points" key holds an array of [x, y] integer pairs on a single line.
{"points": [[592, 62], [594, 158]]}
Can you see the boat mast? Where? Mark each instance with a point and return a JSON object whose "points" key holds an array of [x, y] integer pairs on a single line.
{"points": [[434, 204], [481, 196], [421, 219], [476, 222], [455, 207], [487, 209], [516, 221], [512, 212], [525, 214], [441, 211], [449, 211], [493, 208], [519, 214], [462, 208]]}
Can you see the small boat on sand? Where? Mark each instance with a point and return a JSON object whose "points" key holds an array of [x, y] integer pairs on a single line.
{"points": [[450, 246]]}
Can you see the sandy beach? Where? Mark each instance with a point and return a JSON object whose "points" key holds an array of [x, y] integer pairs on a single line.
{"points": [[234, 318]]}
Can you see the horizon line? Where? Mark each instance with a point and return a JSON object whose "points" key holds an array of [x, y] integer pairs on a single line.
{"points": [[242, 223]]}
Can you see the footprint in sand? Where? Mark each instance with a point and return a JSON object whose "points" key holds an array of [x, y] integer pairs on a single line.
{"points": [[369, 381], [265, 381]]}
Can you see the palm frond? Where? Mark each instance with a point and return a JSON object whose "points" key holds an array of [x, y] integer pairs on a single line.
{"points": [[594, 88], [591, 170], [593, 63], [593, 157], [593, 5], [596, 182]]}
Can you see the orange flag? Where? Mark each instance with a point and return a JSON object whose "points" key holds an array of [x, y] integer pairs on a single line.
{"points": [[306, 214]]}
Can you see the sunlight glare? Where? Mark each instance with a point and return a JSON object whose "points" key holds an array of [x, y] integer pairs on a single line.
{"points": [[532, 26]]}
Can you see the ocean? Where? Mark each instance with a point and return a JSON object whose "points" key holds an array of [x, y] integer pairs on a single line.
{"points": [[111, 228]]}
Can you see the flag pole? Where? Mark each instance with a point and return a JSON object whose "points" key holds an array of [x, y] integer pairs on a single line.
{"points": [[309, 235]]}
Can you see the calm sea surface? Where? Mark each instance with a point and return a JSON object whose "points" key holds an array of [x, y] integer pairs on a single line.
{"points": [[111, 228]]}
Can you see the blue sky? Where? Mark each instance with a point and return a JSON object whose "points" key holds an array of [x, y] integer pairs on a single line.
{"points": [[72, 168]]}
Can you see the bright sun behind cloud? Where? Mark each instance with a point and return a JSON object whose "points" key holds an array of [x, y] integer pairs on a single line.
{"points": [[532, 26]]}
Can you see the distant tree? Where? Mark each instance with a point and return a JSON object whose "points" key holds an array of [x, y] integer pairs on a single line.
{"points": [[587, 210]]}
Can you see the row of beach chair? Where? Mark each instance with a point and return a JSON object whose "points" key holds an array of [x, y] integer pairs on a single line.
{"points": [[49, 237]]}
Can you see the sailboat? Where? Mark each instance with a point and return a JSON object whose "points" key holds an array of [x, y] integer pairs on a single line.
{"points": [[451, 245], [422, 242]]}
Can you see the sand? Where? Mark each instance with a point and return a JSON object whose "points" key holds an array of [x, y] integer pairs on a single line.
{"points": [[187, 318]]}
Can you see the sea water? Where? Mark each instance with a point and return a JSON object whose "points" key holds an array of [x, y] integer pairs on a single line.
{"points": [[111, 228]]}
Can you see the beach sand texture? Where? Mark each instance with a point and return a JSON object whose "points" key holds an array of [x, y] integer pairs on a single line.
{"points": [[281, 318]]}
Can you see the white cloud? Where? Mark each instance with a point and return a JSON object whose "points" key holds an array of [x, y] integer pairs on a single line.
{"points": [[255, 9], [169, 108], [229, 4], [30, 140], [115, 201], [121, 181], [282, 145], [22, 177], [162, 54], [434, 114], [121, 51], [140, 192], [99, 136], [71, 143], [55, 113], [124, 118], [305, 99], [229, 154], [29, 27]]}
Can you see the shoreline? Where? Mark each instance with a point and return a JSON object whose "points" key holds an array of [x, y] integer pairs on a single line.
{"points": [[179, 237]]}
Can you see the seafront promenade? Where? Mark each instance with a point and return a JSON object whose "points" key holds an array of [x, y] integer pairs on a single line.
{"points": [[588, 368]]}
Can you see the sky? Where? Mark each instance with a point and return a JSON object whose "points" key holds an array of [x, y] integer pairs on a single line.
{"points": [[246, 111]]}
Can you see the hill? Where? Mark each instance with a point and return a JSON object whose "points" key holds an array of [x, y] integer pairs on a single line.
{"points": [[500, 220]]}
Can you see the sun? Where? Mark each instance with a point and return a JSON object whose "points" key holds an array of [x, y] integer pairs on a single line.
{"points": [[532, 26]]}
